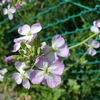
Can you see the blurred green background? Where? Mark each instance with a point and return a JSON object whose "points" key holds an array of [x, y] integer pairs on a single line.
{"points": [[70, 18]]}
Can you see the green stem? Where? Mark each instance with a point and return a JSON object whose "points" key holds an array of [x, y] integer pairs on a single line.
{"points": [[83, 41]]}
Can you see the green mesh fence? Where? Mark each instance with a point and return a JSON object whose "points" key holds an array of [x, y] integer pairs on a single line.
{"points": [[69, 18]]}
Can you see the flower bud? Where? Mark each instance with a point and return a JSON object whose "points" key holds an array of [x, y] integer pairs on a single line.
{"points": [[9, 59]]}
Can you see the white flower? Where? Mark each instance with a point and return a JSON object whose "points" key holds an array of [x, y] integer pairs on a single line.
{"points": [[9, 11], [2, 72], [22, 76]]}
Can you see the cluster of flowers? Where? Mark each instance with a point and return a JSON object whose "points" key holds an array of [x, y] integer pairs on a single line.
{"points": [[40, 63], [92, 44], [36, 61], [10, 10]]}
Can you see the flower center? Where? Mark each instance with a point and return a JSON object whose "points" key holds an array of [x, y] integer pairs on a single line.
{"points": [[53, 49], [29, 33], [46, 71], [23, 76]]}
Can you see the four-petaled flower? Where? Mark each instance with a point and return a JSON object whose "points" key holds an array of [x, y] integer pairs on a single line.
{"points": [[22, 76], [92, 44], [29, 33], [57, 50], [49, 75], [9, 11]]}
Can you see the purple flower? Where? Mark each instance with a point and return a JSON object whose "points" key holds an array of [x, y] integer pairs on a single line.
{"points": [[92, 44], [9, 11], [18, 6], [9, 59], [22, 76], [95, 27], [29, 33], [48, 75], [58, 49]]}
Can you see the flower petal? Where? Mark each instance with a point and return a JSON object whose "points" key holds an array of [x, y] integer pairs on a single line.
{"points": [[91, 51], [37, 76], [52, 57], [23, 30], [26, 83], [12, 9], [53, 80], [10, 16], [17, 78], [94, 29], [16, 47], [3, 71], [29, 72], [21, 39], [41, 62], [35, 28], [19, 66], [5, 11], [57, 68], [63, 51], [94, 43], [57, 41]]}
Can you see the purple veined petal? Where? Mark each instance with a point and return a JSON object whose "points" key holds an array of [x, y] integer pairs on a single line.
{"points": [[53, 80], [94, 43], [29, 72], [41, 62], [37, 76], [21, 39], [12, 9], [3, 71], [35, 28], [52, 57], [91, 51], [44, 82], [10, 16], [25, 29], [63, 51], [26, 83], [57, 41], [56, 68], [1, 77], [94, 29], [16, 47], [17, 78], [5, 11], [19, 66], [45, 48]]}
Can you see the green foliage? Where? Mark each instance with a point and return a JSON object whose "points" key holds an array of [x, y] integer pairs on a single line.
{"points": [[80, 80]]}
